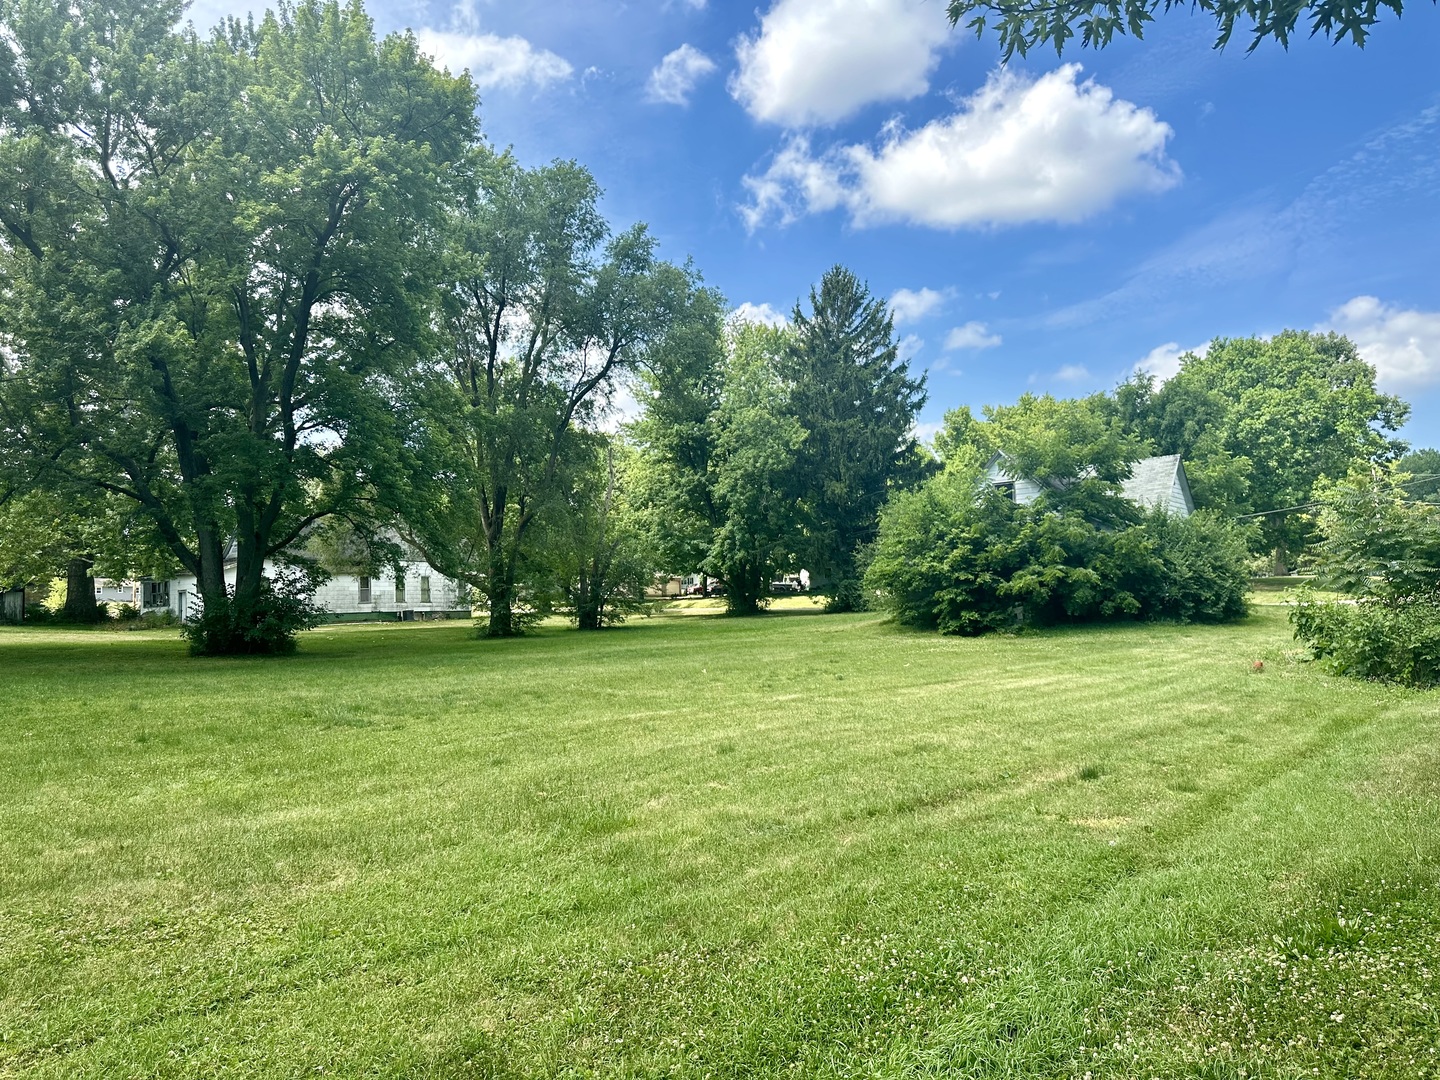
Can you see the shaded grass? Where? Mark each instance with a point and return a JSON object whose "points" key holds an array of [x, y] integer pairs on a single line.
{"points": [[698, 846]]}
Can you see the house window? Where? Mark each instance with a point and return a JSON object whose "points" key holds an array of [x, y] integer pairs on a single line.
{"points": [[157, 594], [425, 590], [1006, 488], [364, 590], [400, 590]]}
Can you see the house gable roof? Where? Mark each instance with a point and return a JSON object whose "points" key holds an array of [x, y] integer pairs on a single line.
{"points": [[1152, 482]]}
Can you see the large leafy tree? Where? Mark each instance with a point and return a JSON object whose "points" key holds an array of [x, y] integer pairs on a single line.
{"points": [[676, 437], [1075, 449], [1260, 422], [856, 402], [1021, 25], [212, 262], [752, 469], [543, 315], [602, 560]]}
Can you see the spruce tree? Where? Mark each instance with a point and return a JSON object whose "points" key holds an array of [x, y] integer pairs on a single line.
{"points": [[856, 400]]}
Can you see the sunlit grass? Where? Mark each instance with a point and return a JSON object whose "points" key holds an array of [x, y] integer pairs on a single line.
{"points": [[700, 846]]}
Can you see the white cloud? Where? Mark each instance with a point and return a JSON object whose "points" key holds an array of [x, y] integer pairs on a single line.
{"points": [[759, 313], [1163, 361], [673, 80], [912, 305], [1051, 149], [973, 335], [493, 61], [1403, 345], [1068, 373], [909, 346], [818, 61], [926, 432]]}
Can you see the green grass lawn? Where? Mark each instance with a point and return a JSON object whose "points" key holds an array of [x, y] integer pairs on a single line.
{"points": [[795, 845]]}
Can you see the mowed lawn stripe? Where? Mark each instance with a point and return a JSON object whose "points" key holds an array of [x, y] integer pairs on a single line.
{"points": [[689, 846]]}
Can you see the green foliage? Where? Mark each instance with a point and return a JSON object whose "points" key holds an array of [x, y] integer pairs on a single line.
{"points": [[752, 469], [1261, 422], [1021, 25], [1421, 470], [1383, 553], [544, 312], [960, 557], [215, 255], [1072, 448], [671, 481], [265, 625], [856, 402], [602, 560]]}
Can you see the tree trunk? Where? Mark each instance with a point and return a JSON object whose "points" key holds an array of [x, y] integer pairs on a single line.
{"points": [[210, 582], [1280, 568], [500, 592], [80, 605]]}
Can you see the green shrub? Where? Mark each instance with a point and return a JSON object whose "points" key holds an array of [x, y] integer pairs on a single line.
{"points": [[266, 626], [1370, 639], [960, 557], [1384, 553]]}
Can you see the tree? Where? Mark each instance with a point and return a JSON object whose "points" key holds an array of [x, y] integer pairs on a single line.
{"points": [[602, 560], [213, 266], [959, 556], [1263, 421], [544, 312], [1421, 467], [856, 403], [1024, 24], [1074, 448], [672, 481], [757, 436]]}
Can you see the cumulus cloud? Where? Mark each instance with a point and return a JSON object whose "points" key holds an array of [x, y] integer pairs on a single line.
{"points": [[759, 313], [1403, 345], [912, 305], [909, 346], [672, 82], [508, 63], [1018, 150], [1163, 361], [973, 335], [818, 61]]}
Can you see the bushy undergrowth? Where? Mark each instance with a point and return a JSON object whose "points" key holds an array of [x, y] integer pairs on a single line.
{"points": [[1383, 553], [264, 626], [960, 557]]}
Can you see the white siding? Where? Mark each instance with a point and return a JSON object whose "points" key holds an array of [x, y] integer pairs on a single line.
{"points": [[1026, 490], [341, 594]]}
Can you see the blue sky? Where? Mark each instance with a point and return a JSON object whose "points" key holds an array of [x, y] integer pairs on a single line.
{"points": [[1046, 225]]}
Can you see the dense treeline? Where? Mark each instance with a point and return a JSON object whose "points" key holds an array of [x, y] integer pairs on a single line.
{"points": [[270, 285], [272, 306]]}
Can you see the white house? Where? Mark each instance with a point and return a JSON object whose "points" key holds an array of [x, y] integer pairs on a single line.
{"points": [[1153, 482], [419, 592]]}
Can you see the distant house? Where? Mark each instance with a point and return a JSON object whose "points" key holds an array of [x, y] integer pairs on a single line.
{"points": [[418, 592], [1154, 482]]}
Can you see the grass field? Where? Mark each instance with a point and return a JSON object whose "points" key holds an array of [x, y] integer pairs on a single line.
{"points": [[694, 846]]}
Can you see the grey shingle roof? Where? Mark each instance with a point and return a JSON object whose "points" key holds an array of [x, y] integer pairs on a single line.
{"points": [[1152, 480]]}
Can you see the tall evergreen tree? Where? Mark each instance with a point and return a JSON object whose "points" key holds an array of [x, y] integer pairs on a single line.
{"points": [[856, 401]]}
